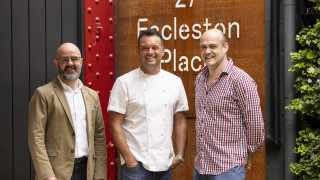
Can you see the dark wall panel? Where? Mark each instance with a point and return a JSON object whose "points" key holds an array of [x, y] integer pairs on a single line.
{"points": [[37, 31], [5, 91], [20, 62], [30, 32], [69, 21], [53, 33]]}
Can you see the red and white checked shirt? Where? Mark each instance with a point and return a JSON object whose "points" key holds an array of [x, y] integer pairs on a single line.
{"points": [[229, 121]]}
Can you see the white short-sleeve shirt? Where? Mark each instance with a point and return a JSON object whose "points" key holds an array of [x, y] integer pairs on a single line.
{"points": [[149, 103]]}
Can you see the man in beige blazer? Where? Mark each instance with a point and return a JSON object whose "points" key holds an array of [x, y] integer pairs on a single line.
{"points": [[65, 124]]}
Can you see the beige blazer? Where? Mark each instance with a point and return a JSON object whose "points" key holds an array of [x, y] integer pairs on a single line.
{"points": [[51, 134]]}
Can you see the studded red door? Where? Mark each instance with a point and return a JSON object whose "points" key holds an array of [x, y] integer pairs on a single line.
{"points": [[99, 62]]}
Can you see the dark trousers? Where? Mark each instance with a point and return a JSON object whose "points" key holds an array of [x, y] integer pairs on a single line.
{"points": [[80, 169]]}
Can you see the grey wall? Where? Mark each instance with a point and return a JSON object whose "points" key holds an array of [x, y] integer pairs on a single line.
{"points": [[30, 31], [283, 21]]}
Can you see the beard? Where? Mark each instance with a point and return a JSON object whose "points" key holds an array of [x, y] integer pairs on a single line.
{"points": [[70, 73]]}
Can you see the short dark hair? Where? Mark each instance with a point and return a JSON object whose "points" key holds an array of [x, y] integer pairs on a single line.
{"points": [[150, 32]]}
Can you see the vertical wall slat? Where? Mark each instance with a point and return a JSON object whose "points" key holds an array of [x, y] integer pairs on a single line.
{"points": [[20, 63], [37, 61], [69, 11], [37, 44], [53, 34], [5, 90]]}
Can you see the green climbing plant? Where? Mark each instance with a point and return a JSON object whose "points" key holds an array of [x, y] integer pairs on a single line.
{"points": [[308, 150], [306, 66]]}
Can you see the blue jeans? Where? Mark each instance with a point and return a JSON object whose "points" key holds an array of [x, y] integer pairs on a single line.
{"points": [[140, 173], [236, 173]]}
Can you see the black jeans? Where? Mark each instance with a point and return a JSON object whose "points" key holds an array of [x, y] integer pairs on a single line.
{"points": [[80, 169]]}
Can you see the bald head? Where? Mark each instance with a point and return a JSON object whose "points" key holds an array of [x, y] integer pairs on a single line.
{"points": [[214, 33], [213, 48], [67, 48]]}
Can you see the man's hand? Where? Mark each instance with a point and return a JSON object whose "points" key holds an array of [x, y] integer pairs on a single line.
{"points": [[116, 120], [131, 162], [249, 161], [180, 132], [178, 159], [51, 178]]}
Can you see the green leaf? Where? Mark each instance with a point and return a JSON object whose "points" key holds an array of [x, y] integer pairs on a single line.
{"points": [[310, 55]]}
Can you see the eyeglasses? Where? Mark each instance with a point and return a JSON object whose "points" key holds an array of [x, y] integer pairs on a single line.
{"points": [[66, 59]]}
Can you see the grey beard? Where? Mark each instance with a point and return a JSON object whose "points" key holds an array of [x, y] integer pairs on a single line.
{"points": [[69, 77]]}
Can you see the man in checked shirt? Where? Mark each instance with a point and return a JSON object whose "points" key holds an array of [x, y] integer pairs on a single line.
{"points": [[229, 124]]}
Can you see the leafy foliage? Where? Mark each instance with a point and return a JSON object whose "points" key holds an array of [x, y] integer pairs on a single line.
{"points": [[306, 66], [308, 150]]}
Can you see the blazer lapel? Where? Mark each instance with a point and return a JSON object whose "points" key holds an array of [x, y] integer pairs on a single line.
{"points": [[60, 94], [89, 108]]}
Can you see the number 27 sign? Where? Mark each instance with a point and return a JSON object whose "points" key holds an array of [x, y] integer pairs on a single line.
{"points": [[180, 4]]}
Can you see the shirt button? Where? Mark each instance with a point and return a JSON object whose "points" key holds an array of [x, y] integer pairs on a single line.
{"points": [[72, 151]]}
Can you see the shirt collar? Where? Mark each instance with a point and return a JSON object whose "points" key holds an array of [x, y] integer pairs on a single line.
{"points": [[227, 69], [68, 88], [142, 74], [229, 66]]}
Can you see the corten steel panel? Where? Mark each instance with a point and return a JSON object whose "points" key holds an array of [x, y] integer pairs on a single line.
{"points": [[6, 90], [99, 61], [182, 21]]}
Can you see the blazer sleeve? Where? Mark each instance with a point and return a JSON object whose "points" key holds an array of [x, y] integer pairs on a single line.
{"points": [[37, 119], [99, 145]]}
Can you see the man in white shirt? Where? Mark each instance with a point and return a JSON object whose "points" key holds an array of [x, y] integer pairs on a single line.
{"points": [[146, 105], [65, 124]]}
